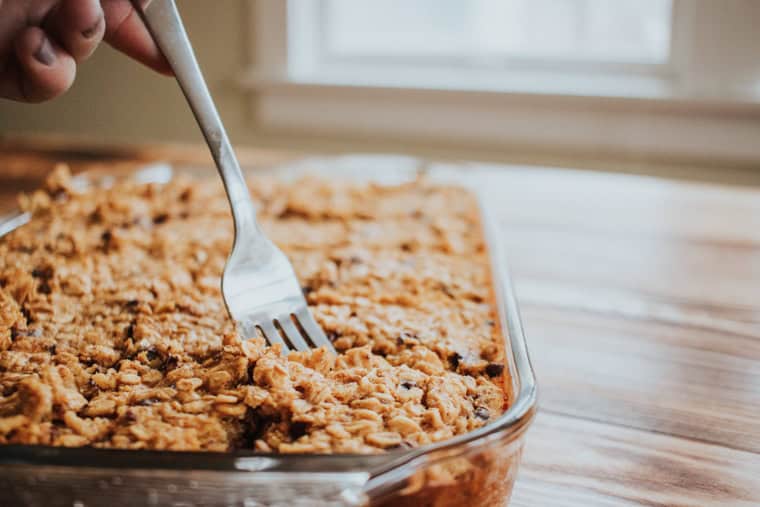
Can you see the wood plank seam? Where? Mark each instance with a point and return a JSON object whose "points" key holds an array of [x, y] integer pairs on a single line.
{"points": [[615, 424]]}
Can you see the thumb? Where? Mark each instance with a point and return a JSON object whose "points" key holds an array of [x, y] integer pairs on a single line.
{"points": [[42, 71]]}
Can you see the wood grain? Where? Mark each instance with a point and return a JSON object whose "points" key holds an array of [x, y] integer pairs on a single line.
{"points": [[572, 462], [648, 375], [695, 276], [641, 302]]}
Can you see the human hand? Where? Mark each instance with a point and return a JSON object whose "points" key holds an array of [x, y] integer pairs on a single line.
{"points": [[43, 41]]}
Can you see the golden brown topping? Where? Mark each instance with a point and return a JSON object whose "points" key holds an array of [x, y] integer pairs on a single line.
{"points": [[113, 332]]}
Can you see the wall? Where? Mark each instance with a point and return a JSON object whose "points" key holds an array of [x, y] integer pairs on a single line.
{"points": [[116, 99]]}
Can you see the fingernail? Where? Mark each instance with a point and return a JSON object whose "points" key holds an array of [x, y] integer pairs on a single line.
{"points": [[90, 32], [45, 54]]}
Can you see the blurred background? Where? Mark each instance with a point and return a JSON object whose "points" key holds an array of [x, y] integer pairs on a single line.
{"points": [[666, 87]]}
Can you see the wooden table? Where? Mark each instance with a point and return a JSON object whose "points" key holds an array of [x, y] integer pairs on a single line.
{"points": [[641, 302]]}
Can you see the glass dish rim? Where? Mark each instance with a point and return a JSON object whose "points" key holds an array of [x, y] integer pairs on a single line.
{"points": [[510, 425]]}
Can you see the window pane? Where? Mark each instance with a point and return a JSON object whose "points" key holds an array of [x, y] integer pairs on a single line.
{"points": [[588, 30]]}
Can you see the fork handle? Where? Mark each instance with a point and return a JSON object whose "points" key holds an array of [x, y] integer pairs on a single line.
{"points": [[165, 25]]}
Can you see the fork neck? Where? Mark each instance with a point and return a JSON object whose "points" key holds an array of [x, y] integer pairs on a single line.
{"points": [[243, 210], [165, 25]]}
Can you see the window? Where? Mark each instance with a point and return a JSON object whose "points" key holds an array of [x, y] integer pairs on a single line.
{"points": [[517, 45], [678, 78], [635, 31]]}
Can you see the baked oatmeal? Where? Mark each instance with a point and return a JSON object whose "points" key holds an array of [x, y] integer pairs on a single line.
{"points": [[113, 332]]}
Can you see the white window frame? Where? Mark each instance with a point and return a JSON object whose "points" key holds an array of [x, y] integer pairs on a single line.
{"points": [[643, 111]]}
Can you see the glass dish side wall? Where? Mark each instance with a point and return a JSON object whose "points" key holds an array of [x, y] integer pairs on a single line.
{"points": [[482, 477]]}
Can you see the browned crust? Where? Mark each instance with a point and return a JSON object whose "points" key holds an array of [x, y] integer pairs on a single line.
{"points": [[113, 332]]}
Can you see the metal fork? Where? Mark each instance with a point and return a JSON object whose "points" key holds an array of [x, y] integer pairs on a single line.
{"points": [[259, 286]]}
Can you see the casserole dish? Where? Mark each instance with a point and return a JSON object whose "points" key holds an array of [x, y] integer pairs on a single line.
{"points": [[475, 468]]}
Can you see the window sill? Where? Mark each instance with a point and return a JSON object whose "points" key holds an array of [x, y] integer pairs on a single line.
{"points": [[645, 115], [654, 89]]}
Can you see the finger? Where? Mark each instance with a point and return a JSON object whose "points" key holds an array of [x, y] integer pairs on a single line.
{"points": [[78, 26], [43, 69], [126, 32]]}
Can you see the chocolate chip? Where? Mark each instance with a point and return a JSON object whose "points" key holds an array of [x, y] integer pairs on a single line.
{"points": [[298, 429], [129, 332], [307, 289], [171, 363], [95, 217], [160, 218], [132, 304], [154, 359], [454, 360], [43, 272], [128, 224], [27, 314], [52, 349], [482, 413], [408, 384], [405, 337], [89, 362], [44, 287], [292, 213], [494, 369], [407, 246], [106, 239]]}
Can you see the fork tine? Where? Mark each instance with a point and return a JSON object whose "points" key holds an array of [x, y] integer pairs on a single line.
{"points": [[314, 332], [248, 329], [292, 332], [272, 335]]}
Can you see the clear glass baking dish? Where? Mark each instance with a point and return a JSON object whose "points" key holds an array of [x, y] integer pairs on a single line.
{"points": [[474, 469]]}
